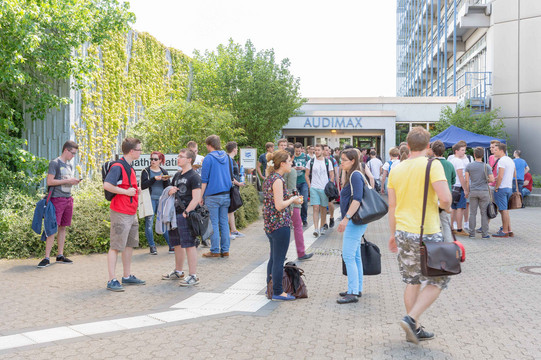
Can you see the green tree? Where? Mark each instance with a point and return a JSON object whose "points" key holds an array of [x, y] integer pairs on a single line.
{"points": [[169, 127], [261, 94], [486, 123]]}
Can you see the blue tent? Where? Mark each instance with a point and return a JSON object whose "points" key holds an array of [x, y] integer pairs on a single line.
{"points": [[453, 134]]}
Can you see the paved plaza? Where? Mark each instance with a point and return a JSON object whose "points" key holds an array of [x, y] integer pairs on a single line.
{"points": [[491, 311]]}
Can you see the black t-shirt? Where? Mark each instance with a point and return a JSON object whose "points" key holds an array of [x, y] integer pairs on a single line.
{"points": [[185, 183]]}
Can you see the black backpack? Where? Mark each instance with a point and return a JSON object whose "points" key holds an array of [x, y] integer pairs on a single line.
{"points": [[199, 222], [105, 170]]}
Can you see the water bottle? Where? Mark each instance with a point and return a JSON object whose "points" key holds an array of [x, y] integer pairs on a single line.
{"points": [[241, 174]]}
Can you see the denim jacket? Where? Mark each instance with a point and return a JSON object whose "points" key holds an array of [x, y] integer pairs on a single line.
{"points": [[46, 213]]}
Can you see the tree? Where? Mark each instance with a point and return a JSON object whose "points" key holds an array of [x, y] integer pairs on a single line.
{"points": [[261, 94], [486, 123], [169, 127]]}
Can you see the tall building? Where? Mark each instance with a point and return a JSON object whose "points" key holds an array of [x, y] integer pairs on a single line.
{"points": [[486, 53]]}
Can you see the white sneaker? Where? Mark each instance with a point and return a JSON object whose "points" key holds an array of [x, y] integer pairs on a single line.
{"points": [[316, 233], [173, 275], [322, 232], [467, 225], [189, 281], [232, 236]]}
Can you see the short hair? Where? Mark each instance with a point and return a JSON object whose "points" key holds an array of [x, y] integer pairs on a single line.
{"points": [[478, 152], [230, 146], [463, 143], [394, 152], [319, 145], [191, 144], [70, 144], [417, 139], [190, 154], [336, 149], [348, 146], [214, 141], [290, 151], [372, 153], [494, 142], [518, 152], [129, 144], [281, 141], [458, 146], [161, 156], [269, 145], [298, 145], [502, 147], [326, 146], [277, 157], [438, 148]]}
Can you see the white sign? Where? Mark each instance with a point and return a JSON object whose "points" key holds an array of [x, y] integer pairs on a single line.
{"points": [[248, 158], [143, 162]]}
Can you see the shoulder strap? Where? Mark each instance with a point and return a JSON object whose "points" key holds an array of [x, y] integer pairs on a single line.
{"points": [[230, 169], [425, 196], [486, 177], [498, 159], [327, 168]]}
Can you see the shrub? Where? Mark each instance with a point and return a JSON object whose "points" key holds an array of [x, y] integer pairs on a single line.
{"points": [[536, 180], [249, 212]]}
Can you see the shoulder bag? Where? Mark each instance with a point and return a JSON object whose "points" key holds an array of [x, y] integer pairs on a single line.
{"points": [[492, 209], [371, 259], [292, 282], [515, 201], [234, 193], [372, 208], [438, 258]]}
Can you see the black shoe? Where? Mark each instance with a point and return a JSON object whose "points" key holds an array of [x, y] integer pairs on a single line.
{"points": [[44, 263], [205, 243], [331, 223], [305, 223], [171, 250], [63, 260], [153, 250], [342, 294], [349, 298], [408, 324], [306, 256], [422, 334], [326, 227]]}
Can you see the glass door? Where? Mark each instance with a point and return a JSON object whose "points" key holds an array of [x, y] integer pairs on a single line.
{"points": [[364, 142]]}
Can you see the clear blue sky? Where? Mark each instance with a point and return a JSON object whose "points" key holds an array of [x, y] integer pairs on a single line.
{"points": [[339, 48]]}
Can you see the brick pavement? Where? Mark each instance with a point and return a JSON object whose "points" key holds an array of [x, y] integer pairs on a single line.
{"points": [[490, 311]]}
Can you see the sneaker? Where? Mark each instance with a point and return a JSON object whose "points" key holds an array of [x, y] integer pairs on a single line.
{"points": [[472, 236], [322, 232], [511, 234], [305, 223], [501, 234], [132, 280], [480, 230], [237, 234], [486, 237], [349, 298], [171, 250], [189, 281], [44, 263], [331, 223], [232, 236], [283, 298], [173, 275], [422, 334], [316, 233], [114, 285], [61, 259], [342, 294], [326, 227], [306, 256], [153, 250], [466, 224], [408, 324]]}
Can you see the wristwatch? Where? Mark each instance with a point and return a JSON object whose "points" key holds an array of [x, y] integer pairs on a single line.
{"points": [[348, 216]]}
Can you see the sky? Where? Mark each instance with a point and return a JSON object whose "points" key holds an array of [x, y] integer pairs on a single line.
{"points": [[341, 48]]}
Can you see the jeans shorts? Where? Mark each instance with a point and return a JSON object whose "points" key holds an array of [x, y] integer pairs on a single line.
{"points": [[318, 197], [461, 204], [182, 235], [501, 198]]}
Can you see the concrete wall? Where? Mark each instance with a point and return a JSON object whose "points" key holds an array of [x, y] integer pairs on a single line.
{"points": [[515, 40]]}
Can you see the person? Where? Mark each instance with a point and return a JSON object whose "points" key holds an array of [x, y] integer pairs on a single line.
{"points": [[327, 155], [522, 168], [262, 161], [438, 149], [277, 219], [60, 179], [318, 174], [232, 150], [404, 152], [123, 214], [375, 165], [528, 186], [386, 168], [406, 189], [459, 207], [351, 240], [300, 160], [155, 179], [282, 144], [192, 145], [290, 179], [311, 152], [216, 186], [503, 189], [336, 154], [364, 155], [478, 175], [186, 185]]}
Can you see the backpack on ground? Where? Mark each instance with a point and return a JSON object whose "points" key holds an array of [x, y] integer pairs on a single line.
{"points": [[292, 282], [105, 170]]}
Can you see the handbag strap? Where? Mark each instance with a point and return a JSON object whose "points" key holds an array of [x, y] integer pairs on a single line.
{"points": [[516, 180], [425, 196], [488, 187]]}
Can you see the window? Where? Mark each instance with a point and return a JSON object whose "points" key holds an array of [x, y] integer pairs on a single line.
{"points": [[402, 130]]}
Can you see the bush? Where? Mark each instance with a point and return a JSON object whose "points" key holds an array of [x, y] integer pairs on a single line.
{"points": [[249, 212], [536, 180]]}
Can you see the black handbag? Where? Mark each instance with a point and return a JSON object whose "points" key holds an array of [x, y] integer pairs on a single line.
{"points": [[492, 209], [331, 191], [372, 208], [438, 258], [371, 259], [456, 194], [234, 194]]}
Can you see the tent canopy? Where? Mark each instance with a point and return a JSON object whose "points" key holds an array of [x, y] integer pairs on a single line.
{"points": [[453, 134]]}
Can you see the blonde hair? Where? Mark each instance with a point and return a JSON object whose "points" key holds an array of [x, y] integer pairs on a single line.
{"points": [[275, 159]]}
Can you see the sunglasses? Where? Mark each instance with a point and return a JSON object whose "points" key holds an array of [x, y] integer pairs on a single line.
{"points": [[154, 159]]}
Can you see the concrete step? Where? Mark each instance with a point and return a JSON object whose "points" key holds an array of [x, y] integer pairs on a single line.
{"points": [[533, 200], [536, 190]]}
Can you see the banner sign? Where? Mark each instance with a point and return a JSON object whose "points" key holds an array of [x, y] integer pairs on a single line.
{"points": [[248, 158]]}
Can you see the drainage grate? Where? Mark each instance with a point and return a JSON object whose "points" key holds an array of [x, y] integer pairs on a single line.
{"points": [[326, 251], [528, 270]]}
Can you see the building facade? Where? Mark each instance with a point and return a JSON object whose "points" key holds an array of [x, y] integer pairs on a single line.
{"points": [[484, 52], [381, 122]]}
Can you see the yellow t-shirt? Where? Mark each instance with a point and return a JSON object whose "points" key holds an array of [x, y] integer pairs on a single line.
{"points": [[408, 179]]}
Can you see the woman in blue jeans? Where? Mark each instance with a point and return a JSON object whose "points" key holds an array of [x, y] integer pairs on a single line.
{"points": [[277, 219], [155, 178], [351, 241]]}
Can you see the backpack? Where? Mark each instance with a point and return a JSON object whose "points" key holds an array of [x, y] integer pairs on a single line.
{"points": [[292, 282], [105, 170], [390, 162], [199, 222], [326, 167]]}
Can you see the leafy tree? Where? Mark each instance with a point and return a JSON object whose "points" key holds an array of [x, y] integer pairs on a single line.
{"points": [[486, 123], [169, 127], [260, 93]]}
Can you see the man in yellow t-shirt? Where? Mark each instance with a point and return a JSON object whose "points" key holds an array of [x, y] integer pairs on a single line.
{"points": [[406, 189]]}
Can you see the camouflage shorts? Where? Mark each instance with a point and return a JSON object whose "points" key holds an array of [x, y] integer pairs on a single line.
{"points": [[409, 259]]}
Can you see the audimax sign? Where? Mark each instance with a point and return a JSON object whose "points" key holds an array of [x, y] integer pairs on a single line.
{"points": [[312, 122]]}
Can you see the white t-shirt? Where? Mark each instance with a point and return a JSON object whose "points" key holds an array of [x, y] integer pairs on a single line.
{"points": [[320, 175], [509, 165], [375, 165], [392, 165], [459, 165]]}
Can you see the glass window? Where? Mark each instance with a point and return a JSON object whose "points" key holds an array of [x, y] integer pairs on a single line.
{"points": [[402, 130]]}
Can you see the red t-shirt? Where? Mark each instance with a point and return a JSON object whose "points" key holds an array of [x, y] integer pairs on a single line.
{"points": [[528, 177]]}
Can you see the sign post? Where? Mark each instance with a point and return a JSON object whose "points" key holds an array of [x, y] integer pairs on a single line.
{"points": [[248, 158]]}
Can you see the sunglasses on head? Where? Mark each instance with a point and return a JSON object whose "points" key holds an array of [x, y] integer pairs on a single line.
{"points": [[154, 159]]}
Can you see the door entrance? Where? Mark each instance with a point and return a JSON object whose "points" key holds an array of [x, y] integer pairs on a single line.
{"points": [[364, 142], [304, 140]]}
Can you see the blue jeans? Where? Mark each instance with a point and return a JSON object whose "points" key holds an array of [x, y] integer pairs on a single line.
{"points": [[149, 226], [279, 243], [520, 185], [525, 192], [218, 206], [302, 188], [351, 252]]}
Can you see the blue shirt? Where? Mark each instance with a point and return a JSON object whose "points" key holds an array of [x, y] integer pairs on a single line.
{"points": [[520, 165], [345, 195]]}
